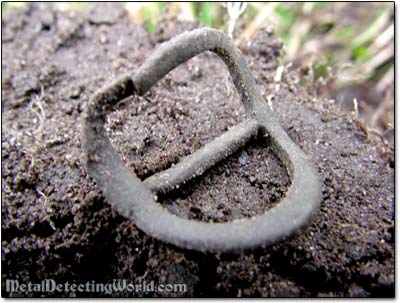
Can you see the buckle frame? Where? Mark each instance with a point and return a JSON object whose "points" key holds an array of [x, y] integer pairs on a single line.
{"points": [[134, 199]]}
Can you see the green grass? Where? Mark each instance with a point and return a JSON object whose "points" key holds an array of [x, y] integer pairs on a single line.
{"points": [[150, 15]]}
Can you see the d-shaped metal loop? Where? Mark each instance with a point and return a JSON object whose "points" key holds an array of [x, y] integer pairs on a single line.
{"points": [[135, 199]]}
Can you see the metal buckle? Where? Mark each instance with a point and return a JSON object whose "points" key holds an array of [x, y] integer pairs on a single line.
{"points": [[134, 199]]}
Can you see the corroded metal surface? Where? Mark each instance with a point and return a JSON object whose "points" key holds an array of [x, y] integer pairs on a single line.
{"points": [[135, 199]]}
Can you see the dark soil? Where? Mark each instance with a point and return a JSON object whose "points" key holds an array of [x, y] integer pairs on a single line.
{"points": [[57, 225]]}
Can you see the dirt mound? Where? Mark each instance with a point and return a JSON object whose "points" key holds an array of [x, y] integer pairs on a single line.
{"points": [[56, 224]]}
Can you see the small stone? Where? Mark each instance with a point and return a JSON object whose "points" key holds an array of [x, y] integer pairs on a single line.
{"points": [[76, 92], [244, 158]]}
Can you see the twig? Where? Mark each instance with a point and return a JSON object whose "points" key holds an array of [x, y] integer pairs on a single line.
{"points": [[386, 80], [356, 118], [384, 55], [382, 40], [37, 101], [235, 9], [265, 13], [278, 74], [299, 30], [46, 199]]}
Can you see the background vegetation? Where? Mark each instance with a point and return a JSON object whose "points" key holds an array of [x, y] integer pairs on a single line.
{"points": [[345, 51]]}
